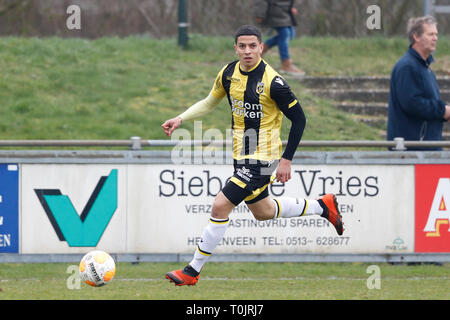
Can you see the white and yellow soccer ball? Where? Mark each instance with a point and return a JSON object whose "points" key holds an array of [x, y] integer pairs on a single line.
{"points": [[97, 268]]}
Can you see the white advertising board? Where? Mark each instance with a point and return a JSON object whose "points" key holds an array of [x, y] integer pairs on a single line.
{"points": [[377, 205], [71, 208], [164, 208]]}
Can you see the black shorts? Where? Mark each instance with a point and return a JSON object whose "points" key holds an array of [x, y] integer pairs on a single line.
{"points": [[249, 182]]}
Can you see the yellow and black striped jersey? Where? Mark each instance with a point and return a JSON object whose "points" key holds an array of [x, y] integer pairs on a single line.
{"points": [[258, 98]]}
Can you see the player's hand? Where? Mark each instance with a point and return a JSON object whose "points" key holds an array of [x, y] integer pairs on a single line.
{"points": [[283, 173], [170, 125], [447, 113]]}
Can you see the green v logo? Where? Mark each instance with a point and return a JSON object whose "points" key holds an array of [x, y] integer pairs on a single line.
{"points": [[83, 230]]}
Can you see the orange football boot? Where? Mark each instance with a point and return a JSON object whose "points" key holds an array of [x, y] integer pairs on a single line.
{"points": [[185, 277], [331, 212]]}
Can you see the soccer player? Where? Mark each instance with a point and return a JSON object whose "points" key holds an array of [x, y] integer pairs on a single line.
{"points": [[258, 97]]}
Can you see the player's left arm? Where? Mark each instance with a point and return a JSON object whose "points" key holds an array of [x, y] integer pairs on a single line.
{"points": [[291, 108]]}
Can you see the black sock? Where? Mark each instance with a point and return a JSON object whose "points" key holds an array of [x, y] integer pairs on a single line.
{"points": [[190, 271]]}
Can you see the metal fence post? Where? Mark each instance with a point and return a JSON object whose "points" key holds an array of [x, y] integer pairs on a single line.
{"points": [[182, 23], [136, 143], [399, 144], [428, 7]]}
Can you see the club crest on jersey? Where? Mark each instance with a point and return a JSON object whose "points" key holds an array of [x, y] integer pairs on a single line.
{"points": [[260, 87]]}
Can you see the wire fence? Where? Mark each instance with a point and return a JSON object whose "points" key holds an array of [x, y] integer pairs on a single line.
{"points": [[219, 17]]}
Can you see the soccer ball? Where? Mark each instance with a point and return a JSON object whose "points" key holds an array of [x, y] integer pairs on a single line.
{"points": [[97, 268]]}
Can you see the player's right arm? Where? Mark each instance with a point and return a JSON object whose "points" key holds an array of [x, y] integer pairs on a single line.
{"points": [[195, 111], [198, 109]]}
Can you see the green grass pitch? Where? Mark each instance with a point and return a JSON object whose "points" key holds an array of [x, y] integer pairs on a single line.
{"points": [[233, 281]]}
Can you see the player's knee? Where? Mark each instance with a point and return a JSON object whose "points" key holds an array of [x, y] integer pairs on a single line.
{"points": [[261, 216], [263, 209], [220, 211], [222, 207]]}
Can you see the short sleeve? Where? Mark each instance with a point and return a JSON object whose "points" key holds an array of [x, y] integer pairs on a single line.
{"points": [[218, 91], [282, 94]]}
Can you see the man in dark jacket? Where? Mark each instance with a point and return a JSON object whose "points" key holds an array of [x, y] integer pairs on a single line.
{"points": [[279, 15], [416, 111]]}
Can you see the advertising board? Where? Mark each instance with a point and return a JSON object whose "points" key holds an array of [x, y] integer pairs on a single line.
{"points": [[149, 208], [432, 208], [68, 208], [171, 205], [9, 208]]}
